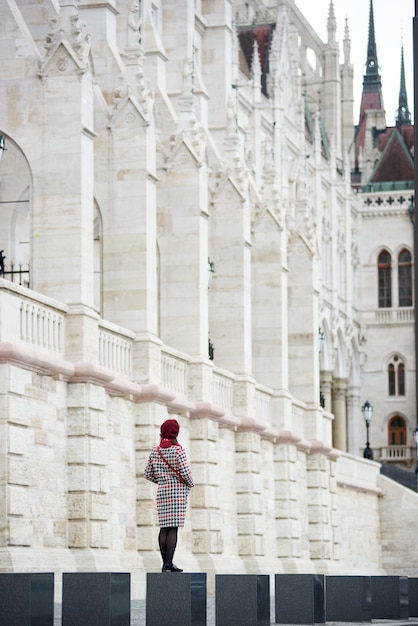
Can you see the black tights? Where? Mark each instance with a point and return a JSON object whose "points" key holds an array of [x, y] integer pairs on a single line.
{"points": [[167, 540]]}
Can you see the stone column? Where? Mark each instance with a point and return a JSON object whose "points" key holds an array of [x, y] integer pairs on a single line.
{"points": [[326, 389], [356, 434], [339, 396]]}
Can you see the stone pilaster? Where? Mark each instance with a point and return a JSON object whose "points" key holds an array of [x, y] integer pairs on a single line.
{"points": [[63, 208], [290, 484], [183, 225], [250, 519], [88, 473], [321, 536], [206, 512], [148, 418]]}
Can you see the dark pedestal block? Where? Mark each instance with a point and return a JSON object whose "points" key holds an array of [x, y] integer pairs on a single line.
{"points": [[348, 599], [242, 600], [413, 596], [300, 598], [175, 599], [390, 597], [96, 599], [27, 599]]}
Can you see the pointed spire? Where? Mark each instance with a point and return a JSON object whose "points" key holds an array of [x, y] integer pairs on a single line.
{"points": [[332, 23], [403, 115], [256, 65], [372, 76], [347, 43]]}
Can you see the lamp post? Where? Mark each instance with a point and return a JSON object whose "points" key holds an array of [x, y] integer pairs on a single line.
{"points": [[2, 145], [321, 341], [416, 443], [367, 410], [211, 271]]}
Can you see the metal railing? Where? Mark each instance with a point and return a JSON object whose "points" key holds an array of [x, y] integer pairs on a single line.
{"points": [[19, 274]]}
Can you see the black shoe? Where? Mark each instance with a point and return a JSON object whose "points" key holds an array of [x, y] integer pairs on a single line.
{"points": [[171, 568]]}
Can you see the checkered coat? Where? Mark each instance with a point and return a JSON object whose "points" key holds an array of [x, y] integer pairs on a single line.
{"points": [[172, 493]]}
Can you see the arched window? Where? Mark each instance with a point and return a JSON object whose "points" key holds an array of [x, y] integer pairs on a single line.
{"points": [[392, 380], [401, 379], [397, 431], [405, 278], [396, 377], [384, 266]]}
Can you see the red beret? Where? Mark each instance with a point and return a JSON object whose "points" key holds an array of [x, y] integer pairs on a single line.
{"points": [[170, 429]]}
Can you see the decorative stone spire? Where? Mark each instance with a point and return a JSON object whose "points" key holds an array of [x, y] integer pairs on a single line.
{"points": [[332, 23], [256, 66], [403, 115], [347, 43]]}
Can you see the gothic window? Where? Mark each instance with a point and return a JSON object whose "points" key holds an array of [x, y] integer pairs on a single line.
{"points": [[392, 379], [397, 431], [396, 377], [384, 266], [405, 278], [401, 379]]}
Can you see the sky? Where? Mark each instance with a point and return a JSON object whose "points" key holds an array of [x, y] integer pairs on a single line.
{"points": [[393, 21]]}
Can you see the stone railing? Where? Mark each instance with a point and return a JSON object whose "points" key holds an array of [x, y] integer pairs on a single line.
{"points": [[115, 349], [394, 315], [223, 390], [174, 375], [39, 322], [394, 453], [263, 406]]}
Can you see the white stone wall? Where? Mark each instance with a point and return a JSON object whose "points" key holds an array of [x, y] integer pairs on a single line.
{"points": [[138, 155], [399, 552]]}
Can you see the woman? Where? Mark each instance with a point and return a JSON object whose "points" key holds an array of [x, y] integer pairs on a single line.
{"points": [[168, 467]]}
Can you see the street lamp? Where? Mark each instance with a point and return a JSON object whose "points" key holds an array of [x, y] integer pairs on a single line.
{"points": [[2, 145], [367, 410], [321, 339], [416, 443], [211, 271]]}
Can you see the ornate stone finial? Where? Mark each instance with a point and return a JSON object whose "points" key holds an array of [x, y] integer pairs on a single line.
{"points": [[332, 23], [347, 43], [231, 119], [78, 40], [122, 92], [256, 65], [54, 33]]}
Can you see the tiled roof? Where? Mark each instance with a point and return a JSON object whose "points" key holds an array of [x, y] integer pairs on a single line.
{"points": [[262, 34], [395, 163]]}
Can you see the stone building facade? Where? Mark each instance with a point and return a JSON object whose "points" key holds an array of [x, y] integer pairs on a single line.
{"points": [[178, 224]]}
